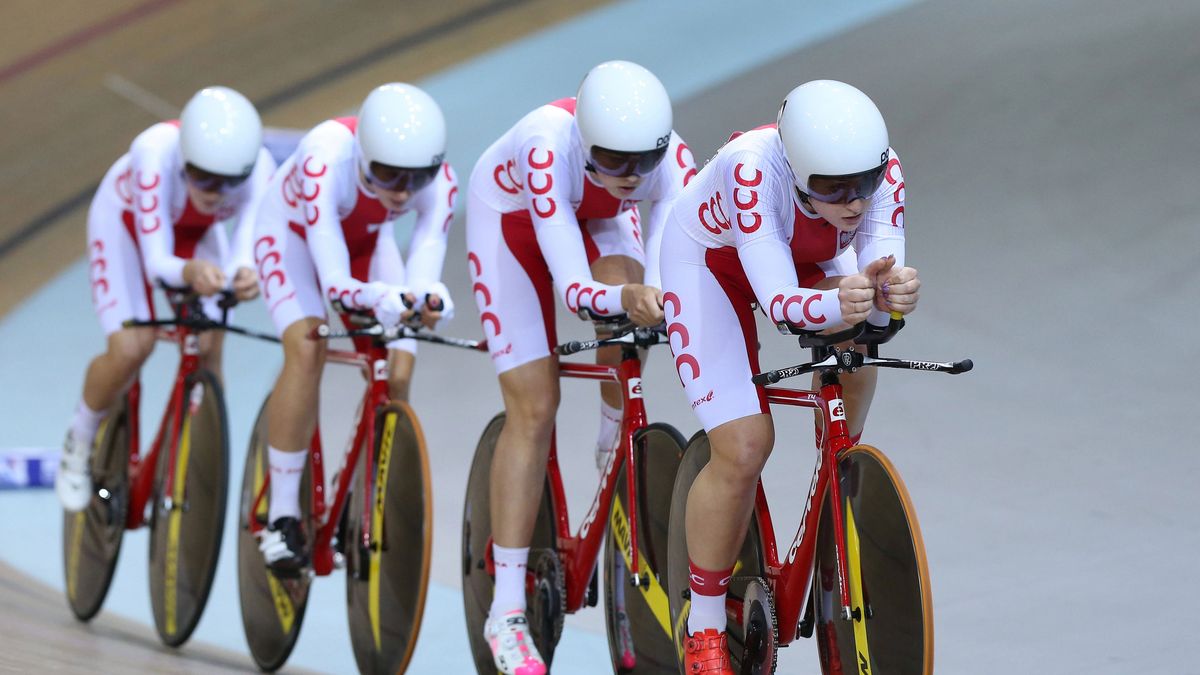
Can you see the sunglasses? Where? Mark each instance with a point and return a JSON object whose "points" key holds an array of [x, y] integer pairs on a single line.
{"points": [[621, 164], [206, 181], [845, 189], [400, 179]]}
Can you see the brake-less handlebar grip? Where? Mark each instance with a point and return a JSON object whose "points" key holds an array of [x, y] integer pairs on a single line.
{"points": [[572, 347], [962, 366]]}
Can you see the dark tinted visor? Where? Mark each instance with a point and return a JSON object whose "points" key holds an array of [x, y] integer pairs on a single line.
{"points": [[399, 178], [206, 181], [620, 164], [845, 189]]}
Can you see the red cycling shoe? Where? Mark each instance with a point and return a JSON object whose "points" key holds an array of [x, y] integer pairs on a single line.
{"points": [[706, 652]]}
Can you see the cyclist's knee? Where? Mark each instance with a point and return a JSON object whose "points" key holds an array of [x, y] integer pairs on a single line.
{"points": [[301, 352], [534, 411], [131, 347], [740, 448]]}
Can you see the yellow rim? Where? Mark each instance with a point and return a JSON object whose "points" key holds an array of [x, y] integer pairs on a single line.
{"points": [[381, 472], [853, 556], [171, 573]]}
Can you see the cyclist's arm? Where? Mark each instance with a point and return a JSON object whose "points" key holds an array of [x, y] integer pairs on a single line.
{"points": [[151, 187], [326, 241], [756, 199], [548, 200], [242, 253], [427, 250], [882, 231], [678, 168]]}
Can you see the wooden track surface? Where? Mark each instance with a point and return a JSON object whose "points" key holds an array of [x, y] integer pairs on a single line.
{"points": [[80, 78]]}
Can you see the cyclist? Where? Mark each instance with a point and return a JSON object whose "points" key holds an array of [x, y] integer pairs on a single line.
{"points": [[804, 217], [555, 199], [325, 229], [152, 221]]}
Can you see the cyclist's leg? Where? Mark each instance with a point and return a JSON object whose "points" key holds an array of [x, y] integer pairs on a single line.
{"points": [[707, 301], [512, 289], [531, 396], [402, 358], [289, 285], [119, 293]]}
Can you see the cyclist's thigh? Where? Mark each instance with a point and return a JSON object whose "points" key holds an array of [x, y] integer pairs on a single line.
{"points": [[511, 285], [620, 236], [286, 272], [711, 328], [119, 289]]}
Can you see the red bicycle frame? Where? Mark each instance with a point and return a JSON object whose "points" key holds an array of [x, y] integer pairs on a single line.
{"points": [[371, 359], [142, 469], [790, 578], [580, 551]]}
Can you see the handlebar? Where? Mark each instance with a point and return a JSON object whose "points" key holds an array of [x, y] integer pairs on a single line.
{"points": [[827, 357], [627, 333], [189, 314]]}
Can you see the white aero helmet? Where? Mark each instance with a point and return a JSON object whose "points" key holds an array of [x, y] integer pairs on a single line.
{"points": [[220, 132], [831, 129], [399, 125], [622, 108]]}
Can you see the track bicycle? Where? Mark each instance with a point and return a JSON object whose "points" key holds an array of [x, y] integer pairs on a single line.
{"points": [[374, 518], [855, 573], [177, 487], [562, 572]]}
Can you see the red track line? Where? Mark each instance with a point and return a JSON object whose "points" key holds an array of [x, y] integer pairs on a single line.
{"points": [[81, 37]]}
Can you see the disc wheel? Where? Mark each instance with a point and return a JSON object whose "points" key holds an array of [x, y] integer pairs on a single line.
{"points": [[388, 541], [892, 626], [272, 609], [478, 584], [92, 537], [647, 615], [760, 632], [748, 566], [187, 523]]}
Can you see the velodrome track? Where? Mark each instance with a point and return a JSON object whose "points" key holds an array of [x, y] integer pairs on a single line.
{"points": [[1052, 211]]}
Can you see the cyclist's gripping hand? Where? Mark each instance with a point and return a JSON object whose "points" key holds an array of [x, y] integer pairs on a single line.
{"points": [[436, 305], [390, 308], [245, 284], [897, 291], [856, 293], [643, 303], [204, 277]]}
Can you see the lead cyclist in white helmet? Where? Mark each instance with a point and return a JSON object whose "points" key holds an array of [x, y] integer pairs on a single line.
{"points": [[158, 217], [805, 220], [326, 231], [551, 211]]}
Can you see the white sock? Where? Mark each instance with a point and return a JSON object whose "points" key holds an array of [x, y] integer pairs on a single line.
{"points": [[610, 426], [708, 611], [85, 422], [287, 468], [510, 579]]}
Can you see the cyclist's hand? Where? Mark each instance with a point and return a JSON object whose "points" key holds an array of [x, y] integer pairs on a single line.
{"points": [[898, 291], [855, 293], [390, 308], [436, 305], [245, 284], [643, 304], [204, 277]]}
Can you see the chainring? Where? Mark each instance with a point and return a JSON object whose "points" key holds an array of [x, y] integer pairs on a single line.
{"points": [[759, 629], [547, 601]]}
